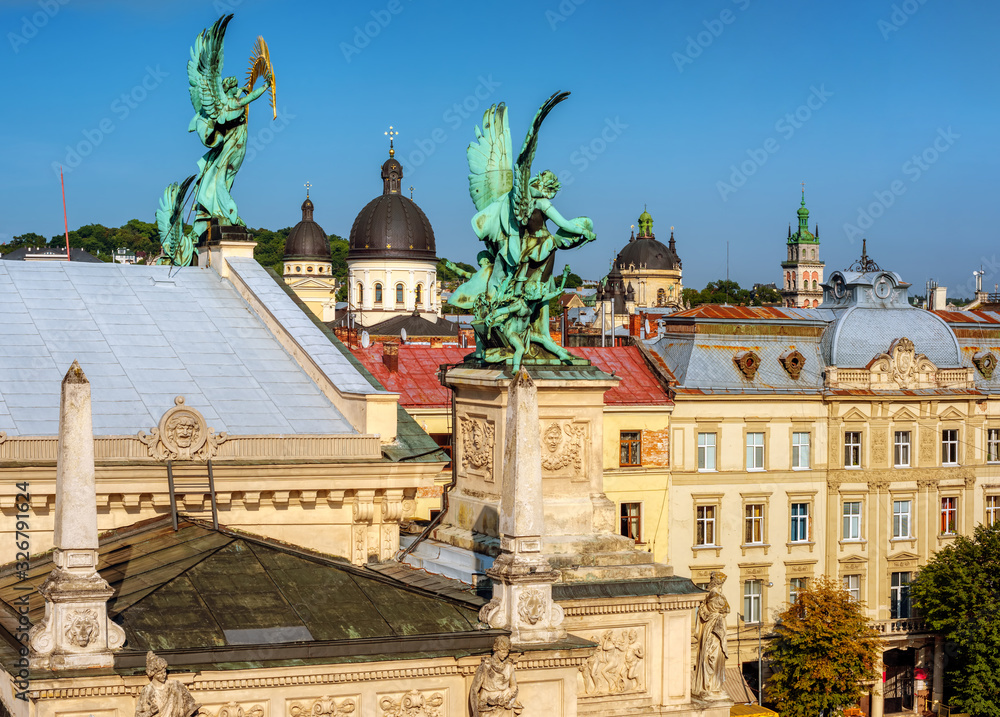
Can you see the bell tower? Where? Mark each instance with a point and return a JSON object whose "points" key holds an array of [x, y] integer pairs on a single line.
{"points": [[802, 270]]}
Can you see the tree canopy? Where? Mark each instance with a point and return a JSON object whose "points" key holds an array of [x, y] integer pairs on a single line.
{"points": [[726, 291], [958, 593], [824, 649]]}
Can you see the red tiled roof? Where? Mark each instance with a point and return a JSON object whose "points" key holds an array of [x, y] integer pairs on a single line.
{"points": [[716, 311], [417, 382]]}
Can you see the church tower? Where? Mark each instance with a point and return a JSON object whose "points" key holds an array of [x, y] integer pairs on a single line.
{"points": [[802, 280]]}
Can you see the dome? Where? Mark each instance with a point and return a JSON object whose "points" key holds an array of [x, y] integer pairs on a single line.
{"points": [[647, 253], [391, 225], [307, 240]]}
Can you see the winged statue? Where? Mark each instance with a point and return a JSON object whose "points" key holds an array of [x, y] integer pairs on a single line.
{"points": [[222, 110], [510, 291], [176, 247]]}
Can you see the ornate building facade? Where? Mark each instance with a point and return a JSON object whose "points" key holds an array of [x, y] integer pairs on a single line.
{"points": [[802, 270], [392, 264]]}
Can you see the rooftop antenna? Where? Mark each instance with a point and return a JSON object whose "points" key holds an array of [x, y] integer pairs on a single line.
{"points": [[727, 272], [65, 216]]}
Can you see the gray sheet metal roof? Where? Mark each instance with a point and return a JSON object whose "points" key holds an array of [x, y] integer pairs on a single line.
{"points": [[145, 334], [861, 333]]}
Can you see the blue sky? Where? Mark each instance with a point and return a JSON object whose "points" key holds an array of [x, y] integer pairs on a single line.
{"points": [[711, 113]]}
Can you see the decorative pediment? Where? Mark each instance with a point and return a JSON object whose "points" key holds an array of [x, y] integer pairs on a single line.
{"points": [[952, 415], [900, 368], [903, 555], [747, 362], [311, 283], [986, 362], [182, 435], [792, 361], [853, 560], [904, 414], [854, 415]]}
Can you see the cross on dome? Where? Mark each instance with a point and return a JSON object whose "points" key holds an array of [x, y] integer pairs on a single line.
{"points": [[390, 134]]}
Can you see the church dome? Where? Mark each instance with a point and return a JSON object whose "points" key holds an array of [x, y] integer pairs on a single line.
{"points": [[645, 252], [307, 240], [392, 225]]}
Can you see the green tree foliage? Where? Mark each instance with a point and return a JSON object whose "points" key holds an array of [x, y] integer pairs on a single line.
{"points": [[30, 239], [958, 593], [270, 247], [823, 650], [447, 275], [725, 291], [573, 281]]}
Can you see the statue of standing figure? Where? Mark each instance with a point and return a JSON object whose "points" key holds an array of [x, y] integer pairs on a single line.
{"points": [[710, 666], [494, 688], [163, 697], [510, 293]]}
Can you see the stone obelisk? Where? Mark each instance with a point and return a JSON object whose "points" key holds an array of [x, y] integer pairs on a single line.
{"points": [[522, 577], [75, 632]]}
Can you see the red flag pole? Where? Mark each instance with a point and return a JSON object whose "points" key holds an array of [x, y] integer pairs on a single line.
{"points": [[65, 216]]}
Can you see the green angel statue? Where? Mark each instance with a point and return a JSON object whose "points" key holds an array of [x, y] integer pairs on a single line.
{"points": [[509, 294], [176, 247], [221, 112]]}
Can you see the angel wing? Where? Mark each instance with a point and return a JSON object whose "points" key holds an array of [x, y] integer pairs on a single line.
{"points": [[490, 169], [168, 219], [522, 168], [205, 80]]}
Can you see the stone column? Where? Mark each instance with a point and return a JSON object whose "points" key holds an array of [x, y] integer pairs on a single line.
{"points": [[937, 686], [522, 577], [878, 700], [75, 632]]}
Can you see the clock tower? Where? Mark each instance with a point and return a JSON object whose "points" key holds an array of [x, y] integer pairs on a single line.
{"points": [[802, 270]]}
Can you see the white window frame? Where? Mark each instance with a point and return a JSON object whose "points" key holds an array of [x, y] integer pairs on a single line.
{"points": [[993, 445], [899, 595], [800, 450], [852, 584], [795, 587], [629, 518], [755, 450], [901, 449], [707, 452], [952, 510], [753, 523], [753, 597], [705, 526], [949, 447], [992, 509], [852, 520], [902, 518], [802, 521], [852, 449]]}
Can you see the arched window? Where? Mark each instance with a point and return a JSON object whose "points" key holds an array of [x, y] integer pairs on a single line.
{"points": [[361, 294], [418, 294], [814, 285], [378, 294], [815, 303], [399, 293], [661, 297]]}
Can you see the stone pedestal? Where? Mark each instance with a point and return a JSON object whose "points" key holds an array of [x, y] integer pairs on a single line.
{"points": [[580, 541], [223, 241]]}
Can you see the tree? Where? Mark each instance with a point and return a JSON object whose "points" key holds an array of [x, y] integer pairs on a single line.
{"points": [[823, 650], [958, 593]]}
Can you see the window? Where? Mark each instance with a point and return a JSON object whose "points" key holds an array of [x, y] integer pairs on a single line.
{"points": [[754, 522], [993, 445], [444, 442], [800, 522], [705, 525], [399, 293], [852, 520], [751, 600], [901, 510], [631, 521], [378, 293], [755, 451], [852, 449], [901, 449], [899, 607], [706, 451], [418, 294], [992, 509], [361, 295], [661, 297], [800, 450], [852, 584], [631, 444], [949, 447], [796, 586], [949, 516]]}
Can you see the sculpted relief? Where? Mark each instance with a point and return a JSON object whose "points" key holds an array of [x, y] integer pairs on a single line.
{"points": [[323, 707], [182, 435], [563, 446], [617, 663], [477, 440], [412, 704]]}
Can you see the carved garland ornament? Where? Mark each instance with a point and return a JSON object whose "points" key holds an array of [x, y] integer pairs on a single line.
{"points": [[323, 707], [477, 444], [563, 446], [234, 709], [182, 435], [412, 704], [616, 665], [747, 362], [986, 362], [792, 361]]}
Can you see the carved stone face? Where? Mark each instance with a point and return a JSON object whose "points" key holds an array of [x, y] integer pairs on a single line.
{"points": [[82, 631], [477, 436], [553, 438], [181, 430]]}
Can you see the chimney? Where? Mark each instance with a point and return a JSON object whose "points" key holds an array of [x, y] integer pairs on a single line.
{"points": [[390, 357], [75, 632], [634, 324]]}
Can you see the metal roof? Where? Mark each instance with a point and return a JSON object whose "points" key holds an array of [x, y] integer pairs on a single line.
{"points": [[145, 334]]}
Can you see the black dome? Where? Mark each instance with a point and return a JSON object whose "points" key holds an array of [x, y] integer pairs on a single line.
{"points": [[307, 240], [648, 253], [392, 226]]}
